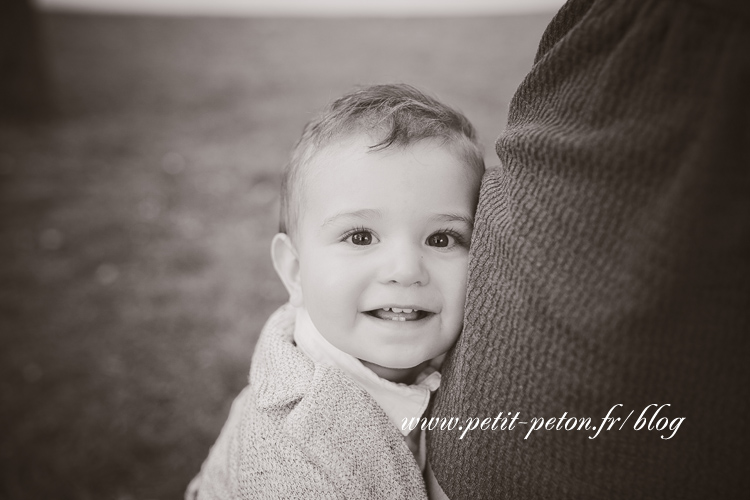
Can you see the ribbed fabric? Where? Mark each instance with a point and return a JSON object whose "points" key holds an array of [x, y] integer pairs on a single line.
{"points": [[611, 263], [301, 430]]}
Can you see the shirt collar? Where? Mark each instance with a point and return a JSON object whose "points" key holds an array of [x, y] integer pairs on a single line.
{"points": [[399, 401]]}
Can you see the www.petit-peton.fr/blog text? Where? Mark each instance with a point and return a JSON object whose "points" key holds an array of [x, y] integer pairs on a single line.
{"points": [[652, 418]]}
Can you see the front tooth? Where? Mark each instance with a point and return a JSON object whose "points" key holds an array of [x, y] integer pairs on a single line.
{"points": [[385, 309], [396, 309], [408, 311], [395, 318]]}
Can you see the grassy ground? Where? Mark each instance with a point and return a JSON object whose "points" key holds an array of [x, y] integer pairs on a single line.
{"points": [[135, 225]]}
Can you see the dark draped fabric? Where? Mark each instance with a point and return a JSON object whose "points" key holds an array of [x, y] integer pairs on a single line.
{"points": [[611, 265]]}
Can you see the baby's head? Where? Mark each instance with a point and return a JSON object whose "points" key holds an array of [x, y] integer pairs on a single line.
{"points": [[377, 211]]}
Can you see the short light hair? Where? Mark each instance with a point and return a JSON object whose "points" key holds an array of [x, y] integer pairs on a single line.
{"points": [[398, 115]]}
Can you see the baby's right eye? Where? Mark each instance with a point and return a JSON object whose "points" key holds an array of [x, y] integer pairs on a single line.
{"points": [[361, 238]]}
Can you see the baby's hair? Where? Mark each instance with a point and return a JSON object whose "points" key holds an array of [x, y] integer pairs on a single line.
{"points": [[397, 114]]}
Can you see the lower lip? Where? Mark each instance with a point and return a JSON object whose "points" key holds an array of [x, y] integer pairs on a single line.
{"points": [[400, 325]]}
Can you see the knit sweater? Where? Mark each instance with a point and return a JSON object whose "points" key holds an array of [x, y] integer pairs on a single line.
{"points": [[302, 430], [610, 264]]}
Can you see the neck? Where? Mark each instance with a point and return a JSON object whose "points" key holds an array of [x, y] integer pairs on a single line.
{"points": [[399, 375]]}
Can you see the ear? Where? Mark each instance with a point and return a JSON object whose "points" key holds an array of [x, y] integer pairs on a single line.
{"points": [[286, 263]]}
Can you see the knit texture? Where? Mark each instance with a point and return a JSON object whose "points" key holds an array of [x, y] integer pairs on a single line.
{"points": [[301, 430], [611, 263]]}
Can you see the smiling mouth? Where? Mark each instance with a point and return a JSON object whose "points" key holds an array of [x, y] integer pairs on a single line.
{"points": [[398, 314]]}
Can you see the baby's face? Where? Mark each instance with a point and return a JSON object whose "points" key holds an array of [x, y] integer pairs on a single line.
{"points": [[383, 244]]}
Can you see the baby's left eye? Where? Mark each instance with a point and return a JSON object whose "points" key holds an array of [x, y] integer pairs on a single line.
{"points": [[440, 240]]}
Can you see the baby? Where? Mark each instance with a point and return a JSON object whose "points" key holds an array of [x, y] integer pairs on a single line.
{"points": [[376, 219]]}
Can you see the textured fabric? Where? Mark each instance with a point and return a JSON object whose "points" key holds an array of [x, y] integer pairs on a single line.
{"points": [[611, 263], [398, 401], [301, 430]]}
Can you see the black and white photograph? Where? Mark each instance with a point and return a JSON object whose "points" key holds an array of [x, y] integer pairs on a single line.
{"points": [[356, 249]]}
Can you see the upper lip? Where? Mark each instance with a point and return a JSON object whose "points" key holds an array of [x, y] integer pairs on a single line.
{"points": [[400, 306]]}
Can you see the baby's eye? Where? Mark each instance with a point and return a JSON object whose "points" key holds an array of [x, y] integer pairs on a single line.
{"points": [[440, 240], [361, 238]]}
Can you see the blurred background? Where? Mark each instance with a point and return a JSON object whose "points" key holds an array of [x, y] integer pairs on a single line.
{"points": [[141, 146]]}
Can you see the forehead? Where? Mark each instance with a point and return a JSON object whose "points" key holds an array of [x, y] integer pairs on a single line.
{"points": [[428, 177]]}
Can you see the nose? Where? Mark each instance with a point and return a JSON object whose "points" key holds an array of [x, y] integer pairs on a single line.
{"points": [[404, 265]]}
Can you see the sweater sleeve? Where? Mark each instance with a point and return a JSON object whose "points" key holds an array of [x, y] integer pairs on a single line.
{"points": [[611, 265], [218, 476]]}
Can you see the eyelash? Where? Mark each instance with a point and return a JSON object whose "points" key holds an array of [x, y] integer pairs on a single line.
{"points": [[460, 240], [353, 231]]}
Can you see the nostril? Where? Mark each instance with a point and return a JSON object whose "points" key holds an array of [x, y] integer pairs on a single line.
{"points": [[398, 282]]}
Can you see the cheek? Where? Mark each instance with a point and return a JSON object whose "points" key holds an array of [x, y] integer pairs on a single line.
{"points": [[330, 285], [454, 280], [454, 295]]}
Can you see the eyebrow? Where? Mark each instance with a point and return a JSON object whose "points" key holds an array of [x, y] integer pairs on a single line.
{"points": [[371, 213], [364, 214], [453, 218]]}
